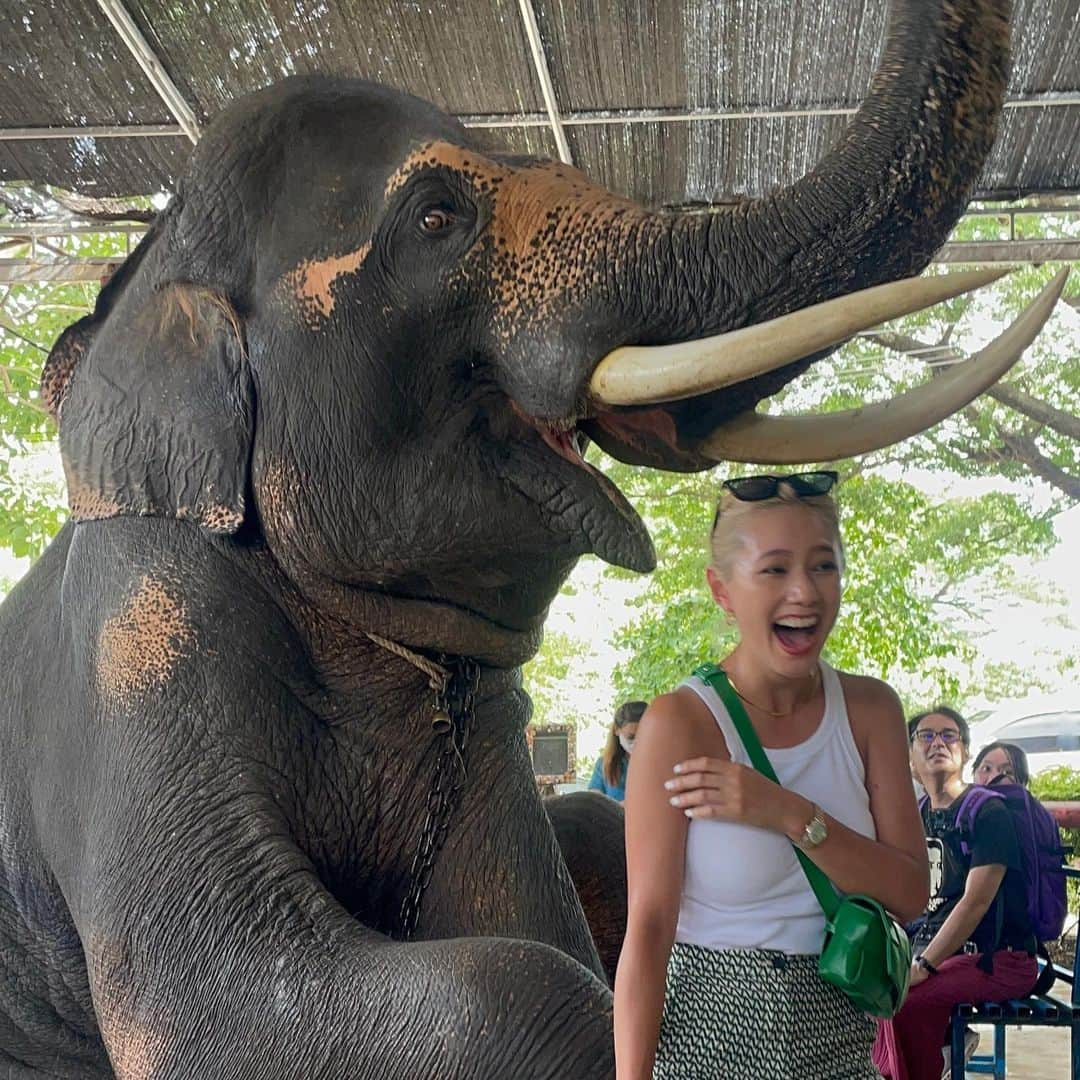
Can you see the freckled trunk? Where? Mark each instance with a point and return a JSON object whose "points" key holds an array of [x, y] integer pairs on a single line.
{"points": [[876, 208]]}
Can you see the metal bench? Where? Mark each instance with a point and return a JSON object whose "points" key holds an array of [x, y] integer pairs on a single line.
{"points": [[1047, 1010]]}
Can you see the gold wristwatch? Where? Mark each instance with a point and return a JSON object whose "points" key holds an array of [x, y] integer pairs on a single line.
{"points": [[815, 832]]}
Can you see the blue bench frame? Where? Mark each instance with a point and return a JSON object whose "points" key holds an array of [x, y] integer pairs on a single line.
{"points": [[1049, 1010]]}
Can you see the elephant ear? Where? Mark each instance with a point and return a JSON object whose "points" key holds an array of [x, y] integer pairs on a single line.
{"points": [[154, 402]]}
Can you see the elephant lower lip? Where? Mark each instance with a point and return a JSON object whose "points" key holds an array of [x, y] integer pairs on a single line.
{"points": [[579, 500]]}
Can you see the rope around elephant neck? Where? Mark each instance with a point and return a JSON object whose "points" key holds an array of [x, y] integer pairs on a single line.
{"points": [[438, 675], [455, 687]]}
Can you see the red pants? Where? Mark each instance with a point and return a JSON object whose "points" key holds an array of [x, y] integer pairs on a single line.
{"points": [[908, 1047]]}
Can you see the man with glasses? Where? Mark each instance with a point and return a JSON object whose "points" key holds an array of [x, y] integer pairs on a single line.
{"points": [[974, 941]]}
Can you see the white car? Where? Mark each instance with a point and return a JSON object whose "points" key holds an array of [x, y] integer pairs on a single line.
{"points": [[1047, 730]]}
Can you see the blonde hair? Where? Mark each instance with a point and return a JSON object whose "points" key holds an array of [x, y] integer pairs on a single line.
{"points": [[727, 537]]}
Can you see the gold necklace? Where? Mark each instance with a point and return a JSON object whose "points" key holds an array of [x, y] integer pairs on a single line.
{"points": [[771, 712]]}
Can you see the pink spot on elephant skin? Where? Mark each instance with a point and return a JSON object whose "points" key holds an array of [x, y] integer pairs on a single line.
{"points": [[311, 283]]}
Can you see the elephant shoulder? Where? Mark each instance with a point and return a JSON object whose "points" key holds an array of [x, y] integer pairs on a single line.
{"points": [[155, 608]]}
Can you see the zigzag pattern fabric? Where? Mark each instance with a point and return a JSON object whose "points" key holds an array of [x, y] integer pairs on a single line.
{"points": [[758, 1014]]}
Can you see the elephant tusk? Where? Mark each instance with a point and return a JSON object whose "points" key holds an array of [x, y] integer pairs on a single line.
{"points": [[649, 375], [791, 440]]}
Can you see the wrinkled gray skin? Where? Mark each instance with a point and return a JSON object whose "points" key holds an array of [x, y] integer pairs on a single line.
{"points": [[325, 397]]}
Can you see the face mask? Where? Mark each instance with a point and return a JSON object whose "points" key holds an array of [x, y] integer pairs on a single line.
{"points": [[626, 744]]}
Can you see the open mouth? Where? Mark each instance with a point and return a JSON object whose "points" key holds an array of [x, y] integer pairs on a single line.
{"points": [[797, 635], [580, 499], [568, 442]]}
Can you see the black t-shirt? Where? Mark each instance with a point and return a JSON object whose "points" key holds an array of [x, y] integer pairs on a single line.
{"points": [[992, 840]]}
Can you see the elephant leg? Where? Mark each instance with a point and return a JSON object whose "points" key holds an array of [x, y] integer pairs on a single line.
{"points": [[589, 828], [331, 1000], [216, 950]]}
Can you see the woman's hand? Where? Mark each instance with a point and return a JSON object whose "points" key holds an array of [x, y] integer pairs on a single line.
{"points": [[918, 974], [712, 788]]}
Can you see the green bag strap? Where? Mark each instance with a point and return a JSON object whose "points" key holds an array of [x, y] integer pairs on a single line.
{"points": [[717, 678]]}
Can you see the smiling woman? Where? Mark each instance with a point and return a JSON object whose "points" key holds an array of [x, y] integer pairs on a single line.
{"points": [[703, 944]]}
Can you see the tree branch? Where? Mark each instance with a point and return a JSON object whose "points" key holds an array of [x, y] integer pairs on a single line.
{"points": [[22, 337], [912, 346], [1062, 422], [1024, 451]]}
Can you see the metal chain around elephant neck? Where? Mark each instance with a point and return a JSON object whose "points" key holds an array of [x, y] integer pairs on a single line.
{"points": [[455, 682]]}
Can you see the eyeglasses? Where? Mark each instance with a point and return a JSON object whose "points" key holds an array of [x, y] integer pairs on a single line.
{"points": [[949, 737], [804, 485]]}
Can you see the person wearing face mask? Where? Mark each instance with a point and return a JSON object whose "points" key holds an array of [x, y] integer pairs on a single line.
{"points": [[609, 773], [974, 941], [718, 975]]}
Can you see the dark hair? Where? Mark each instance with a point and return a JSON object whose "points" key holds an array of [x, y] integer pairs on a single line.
{"points": [[941, 710], [629, 712], [1017, 759]]}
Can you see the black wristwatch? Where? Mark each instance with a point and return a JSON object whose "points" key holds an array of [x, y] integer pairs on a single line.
{"points": [[926, 965]]}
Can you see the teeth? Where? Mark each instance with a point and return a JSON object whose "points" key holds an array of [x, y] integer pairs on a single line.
{"points": [[797, 622]]}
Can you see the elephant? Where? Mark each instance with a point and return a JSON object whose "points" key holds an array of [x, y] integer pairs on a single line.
{"points": [[266, 809], [589, 829]]}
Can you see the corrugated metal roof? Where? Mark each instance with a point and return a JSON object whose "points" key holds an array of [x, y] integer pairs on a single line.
{"points": [[625, 74]]}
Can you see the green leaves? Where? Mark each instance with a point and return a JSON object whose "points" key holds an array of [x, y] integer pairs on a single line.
{"points": [[32, 317]]}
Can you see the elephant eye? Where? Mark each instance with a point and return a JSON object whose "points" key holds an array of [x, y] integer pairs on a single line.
{"points": [[436, 218]]}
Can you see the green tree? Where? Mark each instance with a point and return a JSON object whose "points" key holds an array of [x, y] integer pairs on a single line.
{"points": [[32, 316], [919, 575], [924, 576]]}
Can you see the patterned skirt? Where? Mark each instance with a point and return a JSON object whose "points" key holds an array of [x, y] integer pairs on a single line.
{"points": [[758, 1014]]}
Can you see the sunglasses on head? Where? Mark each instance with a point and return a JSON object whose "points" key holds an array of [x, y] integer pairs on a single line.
{"points": [[804, 485]]}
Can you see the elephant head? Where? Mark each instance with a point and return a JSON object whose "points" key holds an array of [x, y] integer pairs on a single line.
{"points": [[356, 336]]}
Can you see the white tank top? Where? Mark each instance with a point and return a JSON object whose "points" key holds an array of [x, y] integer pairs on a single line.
{"points": [[743, 887]]}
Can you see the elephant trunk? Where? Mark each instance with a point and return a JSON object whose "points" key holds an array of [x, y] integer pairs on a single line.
{"points": [[874, 210]]}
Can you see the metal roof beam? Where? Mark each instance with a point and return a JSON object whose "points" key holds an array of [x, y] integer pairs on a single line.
{"points": [[56, 271], [130, 131], [55, 229], [529, 120], [982, 252], [138, 46], [547, 87], [1049, 100]]}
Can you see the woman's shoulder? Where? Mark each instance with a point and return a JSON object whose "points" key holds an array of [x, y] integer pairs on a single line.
{"points": [[677, 707], [867, 694], [875, 715], [677, 716]]}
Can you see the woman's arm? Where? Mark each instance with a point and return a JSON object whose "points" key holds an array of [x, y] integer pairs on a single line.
{"points": [[893, 869], [655, 852]]}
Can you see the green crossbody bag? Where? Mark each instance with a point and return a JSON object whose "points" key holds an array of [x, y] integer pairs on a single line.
{"points": [[866, 952]]}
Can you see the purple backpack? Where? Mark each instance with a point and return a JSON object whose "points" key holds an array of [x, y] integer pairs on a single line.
{"points": [[1040, 850]]}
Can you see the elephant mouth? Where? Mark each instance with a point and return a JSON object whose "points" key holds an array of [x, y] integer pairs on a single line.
{"points": [[698, 414]]}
